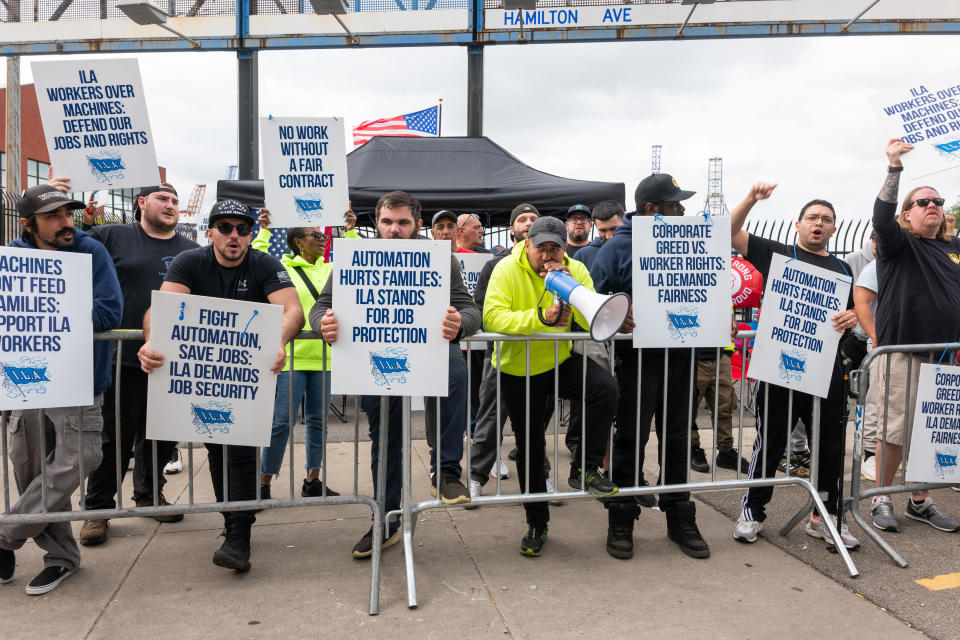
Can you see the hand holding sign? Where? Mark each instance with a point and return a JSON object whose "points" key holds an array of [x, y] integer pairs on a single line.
{"points": [[896, 148]]}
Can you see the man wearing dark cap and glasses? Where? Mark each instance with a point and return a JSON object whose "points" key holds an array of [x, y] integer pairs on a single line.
{"points": [[228, 269], [46, 218], [515, 304], [657, 194], [141, 252], [579, 225]]}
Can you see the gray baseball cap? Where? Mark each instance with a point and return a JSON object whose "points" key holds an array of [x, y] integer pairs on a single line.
{"points": [[547, 229]]}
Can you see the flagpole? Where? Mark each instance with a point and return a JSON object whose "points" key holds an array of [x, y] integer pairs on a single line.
{"points": [[440, 118]]}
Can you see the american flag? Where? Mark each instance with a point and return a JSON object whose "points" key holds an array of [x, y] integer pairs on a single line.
{"points": [[424, 123], [278, 241]]}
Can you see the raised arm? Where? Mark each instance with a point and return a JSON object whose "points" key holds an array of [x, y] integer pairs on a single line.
{"points": [[739, 237]]}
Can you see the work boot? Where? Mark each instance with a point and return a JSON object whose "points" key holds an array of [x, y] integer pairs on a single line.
{"points": [[93, 532], [682, 529], [620, 517], [234, 553]]}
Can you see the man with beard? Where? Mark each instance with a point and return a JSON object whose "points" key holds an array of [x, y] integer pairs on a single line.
{"points": [[815, 226], [47, 476], [607, 218], [485, 450], [226, 268], [398, 218], [141, 252], [578, 226]]}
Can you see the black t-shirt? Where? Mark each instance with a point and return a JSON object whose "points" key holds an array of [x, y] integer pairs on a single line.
{"points": [[919, 297], [141, 262], [259, 275]]}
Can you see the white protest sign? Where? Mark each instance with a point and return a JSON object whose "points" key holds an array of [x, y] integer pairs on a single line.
{"points": [[928, 116], [681, 281], [472, 265], [46, 333], [935, 441], [215, 384], [390, 297], [304, 171], [95, 122], [796, 343]]}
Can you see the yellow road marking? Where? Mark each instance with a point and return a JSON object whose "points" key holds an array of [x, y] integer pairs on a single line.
{"points": [[939, 583]]}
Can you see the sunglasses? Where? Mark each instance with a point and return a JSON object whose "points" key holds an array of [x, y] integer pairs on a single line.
{"points": [[923, 202], [316, 235], [243, 229]]}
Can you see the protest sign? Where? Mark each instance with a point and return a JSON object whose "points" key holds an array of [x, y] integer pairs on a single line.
{"points": [[928, 116], [681, 281], [95, 121], [46, 337], [796, 343], [215, 384], [390, 297], [935, 441], [304, 171], [472, 265]]}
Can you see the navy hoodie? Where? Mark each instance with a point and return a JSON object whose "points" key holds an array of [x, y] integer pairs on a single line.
{"points": [[612, 268], [107, 302], [587, 254]]}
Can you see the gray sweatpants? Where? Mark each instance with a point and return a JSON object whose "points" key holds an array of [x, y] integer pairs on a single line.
{"points": [[60, 432]]}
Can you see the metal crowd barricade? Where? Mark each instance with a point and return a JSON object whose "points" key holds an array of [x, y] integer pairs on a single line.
{"points": [[121, 511], [409, 509], [860, 385]]}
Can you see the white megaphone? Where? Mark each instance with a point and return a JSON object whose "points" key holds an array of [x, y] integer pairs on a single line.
{"points": [[604, 314]]}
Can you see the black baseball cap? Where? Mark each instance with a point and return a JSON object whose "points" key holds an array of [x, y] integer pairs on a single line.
{"points": [[659, 187], [443, 213], [146, 191], [522, 208], [578, 208], [547, 229], [229, 209], [42, 199]]}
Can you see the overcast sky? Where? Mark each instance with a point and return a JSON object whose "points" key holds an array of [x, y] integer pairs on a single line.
{"points": [[790, 110]]}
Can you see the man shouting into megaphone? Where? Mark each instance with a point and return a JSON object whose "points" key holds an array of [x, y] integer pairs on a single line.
{"points": [[516, 304]]}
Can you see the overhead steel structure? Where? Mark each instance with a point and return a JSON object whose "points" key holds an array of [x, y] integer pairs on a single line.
{"points": [[38, 27]]}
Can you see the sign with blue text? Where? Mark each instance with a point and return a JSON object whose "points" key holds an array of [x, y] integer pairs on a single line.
{"points": [[796, 343], [472, 264], [304, 171], [681, 281], [390, 297], [95, 121], [46, 337], [935, 439], [927, 115], [215, 384]]}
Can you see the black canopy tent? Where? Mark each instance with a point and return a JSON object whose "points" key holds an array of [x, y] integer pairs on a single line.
{"points": [[473, 175]]}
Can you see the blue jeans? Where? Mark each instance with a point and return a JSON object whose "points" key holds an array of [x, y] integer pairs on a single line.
{"points": [[311, 383]]}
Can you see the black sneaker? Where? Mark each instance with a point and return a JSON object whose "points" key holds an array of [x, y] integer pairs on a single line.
{"points": [[647, 500], [593, 481], [452, 490], [682, 529], [698, 460], [513, 454], [314, 489], [620, 519], [264, 491], [533, 541], [234, 553], [48, 580], [8, 563], [729, 458], [364, 548]]}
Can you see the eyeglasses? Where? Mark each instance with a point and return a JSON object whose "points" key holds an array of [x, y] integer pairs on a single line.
{"points": [[243, 229], [578, 220], [316, 235], [813, 218], [923, 202]]}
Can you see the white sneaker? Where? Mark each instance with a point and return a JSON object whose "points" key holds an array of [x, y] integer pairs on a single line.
{"points": [[747, 530], [817, 528], [174, 466], [476, 489], [868, 469], [500, 469]]}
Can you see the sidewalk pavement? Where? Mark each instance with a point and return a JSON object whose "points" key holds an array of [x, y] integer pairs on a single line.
{"points": [[157, 581]]}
